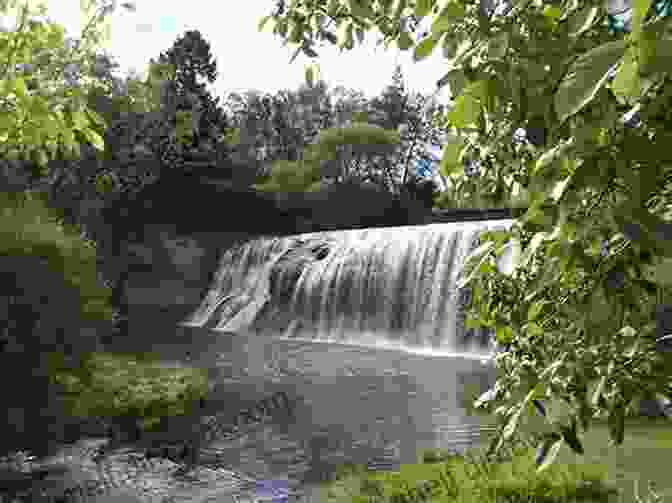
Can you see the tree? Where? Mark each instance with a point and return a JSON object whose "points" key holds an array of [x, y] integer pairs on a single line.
{"points": [[411, 115], [340, 155], [191, 59], [575, 288], [279, 126], [50, 286]]}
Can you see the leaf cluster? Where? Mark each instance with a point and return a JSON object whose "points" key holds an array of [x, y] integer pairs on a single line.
{"points": [[554, 110]]}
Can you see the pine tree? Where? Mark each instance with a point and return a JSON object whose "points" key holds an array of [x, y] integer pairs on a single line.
{"points": [[193, 62]]}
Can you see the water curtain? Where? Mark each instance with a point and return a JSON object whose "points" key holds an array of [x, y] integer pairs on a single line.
{"points": [[394, 287]]}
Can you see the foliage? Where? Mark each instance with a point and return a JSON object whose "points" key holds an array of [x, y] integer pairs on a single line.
{"points": [[185, 96], [30, 229], [42, 105], [411, 115], [548, 98], [470, 478], [278, 127], [337, 156], [109, 385], [51, 286]]}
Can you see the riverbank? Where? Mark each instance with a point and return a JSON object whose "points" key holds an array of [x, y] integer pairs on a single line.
{"points": [[635, 471]]}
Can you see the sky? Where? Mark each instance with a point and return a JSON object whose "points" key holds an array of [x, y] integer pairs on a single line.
{"points": [[247, 59]]}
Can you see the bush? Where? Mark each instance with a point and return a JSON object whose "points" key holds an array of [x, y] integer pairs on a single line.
{"points": [[28, 228], [125, 386]]}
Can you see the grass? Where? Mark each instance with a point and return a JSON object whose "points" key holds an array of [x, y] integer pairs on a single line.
{"points": [[639, 462], [633, 472]]}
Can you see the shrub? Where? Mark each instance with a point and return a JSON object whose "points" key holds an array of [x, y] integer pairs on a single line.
{"points": [[124, 386]]}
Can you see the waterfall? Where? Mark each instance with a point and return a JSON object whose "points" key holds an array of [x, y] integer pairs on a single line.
{"points": [[392, 287]]}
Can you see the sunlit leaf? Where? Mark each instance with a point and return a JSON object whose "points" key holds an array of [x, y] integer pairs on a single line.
{"points": [[508, 261], [639, 10], [451, 155], [94, 138], [581, 20], [422, 8], [531, 249], [262, 22], [504, 335], [468, 105], [626, 83], [424, 48], [585, 77], [512, 423]]}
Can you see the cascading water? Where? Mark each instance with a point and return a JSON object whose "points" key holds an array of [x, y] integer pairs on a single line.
{"points": [[383, 287], [316, 314]]}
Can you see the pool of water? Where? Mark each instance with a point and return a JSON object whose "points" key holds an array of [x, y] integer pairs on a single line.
{"points": [[348, 404]]}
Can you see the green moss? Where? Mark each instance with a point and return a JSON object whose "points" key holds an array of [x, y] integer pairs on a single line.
{"points": [[109, 385]]}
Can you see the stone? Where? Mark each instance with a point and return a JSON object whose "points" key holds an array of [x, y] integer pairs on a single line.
{"points": [[288, 269]]}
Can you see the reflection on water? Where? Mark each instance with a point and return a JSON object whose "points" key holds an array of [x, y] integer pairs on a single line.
{"points": [[350, 404]]}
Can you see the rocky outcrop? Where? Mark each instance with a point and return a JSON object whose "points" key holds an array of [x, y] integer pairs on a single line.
{"points": [[288, 268]]}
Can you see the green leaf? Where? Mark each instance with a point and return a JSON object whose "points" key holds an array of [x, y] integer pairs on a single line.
{"points": [[660, 273], [534, 310], [424, 48], [531, 249], [512, 423], [585, 77], [548, 451], [20, 87], [343, 33], [551, 155], [626, 82], [451, 156], [456, 81], [309, 75], [498, 45], [481, 252], [639, 10], [449, 14], [552, 13], [422, 8], [658, 58], [467, 108], [617, 423], [559, 188], [94, 138], [569, 434], [405, 41], [262, 23], [360, 9], [582, 20], [504, 335]]}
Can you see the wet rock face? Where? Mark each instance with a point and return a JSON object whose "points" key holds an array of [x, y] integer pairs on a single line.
{"points": [[290, 266]]}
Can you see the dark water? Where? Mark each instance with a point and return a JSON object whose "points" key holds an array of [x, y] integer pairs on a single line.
{"points": [[350, 404]]}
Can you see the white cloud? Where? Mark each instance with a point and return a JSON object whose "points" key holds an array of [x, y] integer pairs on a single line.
{"points": [[247, 59]]}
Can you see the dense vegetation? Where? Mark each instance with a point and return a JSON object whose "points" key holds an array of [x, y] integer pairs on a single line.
{"points": [[556, 109], [75, 138], [558, 101]]}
